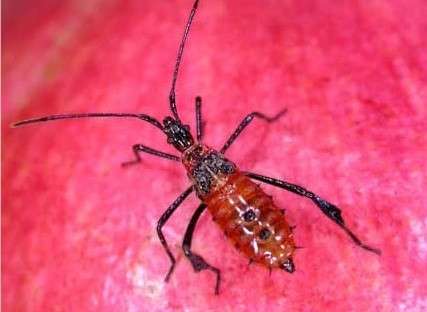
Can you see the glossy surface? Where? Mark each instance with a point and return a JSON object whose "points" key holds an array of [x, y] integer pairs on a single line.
{"points": [[206, 168], [246, 214], [251, 220], [78, 231]]}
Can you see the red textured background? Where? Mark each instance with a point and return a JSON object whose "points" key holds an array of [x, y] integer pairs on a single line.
{"points": [[78, 231]]}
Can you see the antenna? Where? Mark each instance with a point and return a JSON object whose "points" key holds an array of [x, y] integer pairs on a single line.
{"points": [[144, 117], [172, 102]]}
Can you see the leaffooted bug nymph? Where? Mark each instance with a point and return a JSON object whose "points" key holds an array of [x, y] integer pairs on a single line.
{"points": [[246, 214]]}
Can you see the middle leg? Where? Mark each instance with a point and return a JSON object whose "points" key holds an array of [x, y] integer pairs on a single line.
{"points": [[198, 263], [162, 221]]}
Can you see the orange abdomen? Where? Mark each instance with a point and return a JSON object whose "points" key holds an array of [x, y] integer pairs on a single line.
{"points": [[251, 220]]}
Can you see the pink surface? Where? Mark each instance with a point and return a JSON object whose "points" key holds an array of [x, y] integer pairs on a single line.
{"points": [[78, 231]]}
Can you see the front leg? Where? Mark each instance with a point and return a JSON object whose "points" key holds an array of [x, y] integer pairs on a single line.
{"points": [[162, 221], [245, 122], [330, 210], [198, 263], [139, 148]]}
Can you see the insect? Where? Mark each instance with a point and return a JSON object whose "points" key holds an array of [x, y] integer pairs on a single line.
{"points": [[246, 214]]}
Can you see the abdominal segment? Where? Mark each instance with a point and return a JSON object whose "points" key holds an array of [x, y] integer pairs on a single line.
{"points": [[251, 221]]}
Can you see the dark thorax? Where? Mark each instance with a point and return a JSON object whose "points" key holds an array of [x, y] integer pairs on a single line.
{"points": [[207, 168]]}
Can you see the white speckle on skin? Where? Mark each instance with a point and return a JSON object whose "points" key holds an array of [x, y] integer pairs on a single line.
{"points": [[410, 85], [419, 228], [411, 303], [150, 288]]}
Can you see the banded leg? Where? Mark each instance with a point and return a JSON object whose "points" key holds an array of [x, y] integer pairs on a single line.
{"points": [[198, 263], [138, 148], [162, 221], [199, 122], [330, 210], [245, 122]]}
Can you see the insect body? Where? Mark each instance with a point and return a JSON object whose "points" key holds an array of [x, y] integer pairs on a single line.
{"points": [[252, 221], [245, 213]]}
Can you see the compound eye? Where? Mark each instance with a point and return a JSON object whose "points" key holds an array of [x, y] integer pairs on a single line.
{"points": [[249, 215]]}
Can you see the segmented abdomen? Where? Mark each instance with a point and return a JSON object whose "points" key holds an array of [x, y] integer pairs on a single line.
{"points": [[251, 221]]}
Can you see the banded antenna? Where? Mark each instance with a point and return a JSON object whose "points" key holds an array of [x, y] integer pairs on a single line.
{"points": [[144, 117], [172, 102]]}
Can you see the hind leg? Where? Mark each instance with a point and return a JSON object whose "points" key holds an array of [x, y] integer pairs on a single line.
{"points": [[198, 263], [328, 209]]}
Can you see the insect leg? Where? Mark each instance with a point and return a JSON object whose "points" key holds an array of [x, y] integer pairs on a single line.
{"points": [[199, 264], [245, 122], [162, 221], [330, 210], [138, 148], [199, 122]]}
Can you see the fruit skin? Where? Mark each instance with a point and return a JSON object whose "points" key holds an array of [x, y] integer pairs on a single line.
{"points": [[78, 231]]}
